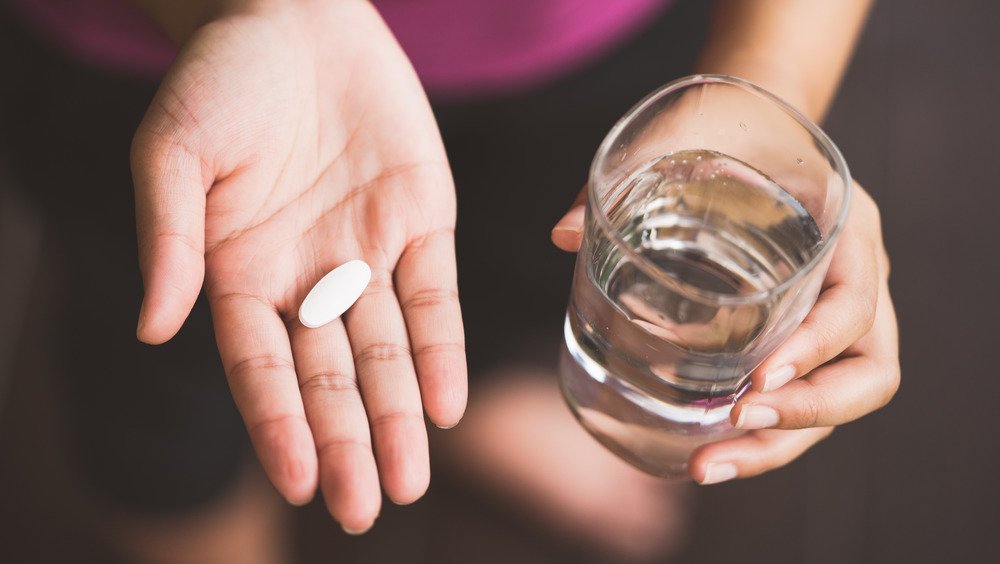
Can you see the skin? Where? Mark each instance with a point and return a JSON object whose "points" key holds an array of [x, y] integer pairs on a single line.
{"points": [[255, 175], [290, 137]]}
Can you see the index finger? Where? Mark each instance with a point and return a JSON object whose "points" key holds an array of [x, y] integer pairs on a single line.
{"points": [[256, 354]]}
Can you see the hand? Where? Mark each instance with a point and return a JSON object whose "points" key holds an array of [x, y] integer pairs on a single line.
{"points": [[840, 364], [285, 141]]}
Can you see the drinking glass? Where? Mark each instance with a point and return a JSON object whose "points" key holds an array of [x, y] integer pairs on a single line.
{"points": [[711, 213]]}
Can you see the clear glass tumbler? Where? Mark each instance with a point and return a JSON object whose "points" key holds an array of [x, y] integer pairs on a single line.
{"points": [[711, 213]]}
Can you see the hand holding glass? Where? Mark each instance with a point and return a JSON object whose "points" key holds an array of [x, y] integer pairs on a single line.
{"points": [[711, 214]]}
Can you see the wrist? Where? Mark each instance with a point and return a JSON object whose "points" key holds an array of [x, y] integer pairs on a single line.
{"points": [[782, 82]]}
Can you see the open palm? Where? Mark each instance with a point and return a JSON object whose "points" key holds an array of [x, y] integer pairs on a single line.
{"points": [[280, 146]]}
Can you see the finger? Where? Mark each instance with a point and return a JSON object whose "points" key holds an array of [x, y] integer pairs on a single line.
{"points": [[427, 283], [568, 233], [836, 393], [170, 222], [751, 454], [347, 473], [843, 313], [254, 347], [832, 395], [389, 388]]}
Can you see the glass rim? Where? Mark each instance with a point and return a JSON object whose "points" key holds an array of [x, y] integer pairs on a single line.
{"points": [[708, 296]]}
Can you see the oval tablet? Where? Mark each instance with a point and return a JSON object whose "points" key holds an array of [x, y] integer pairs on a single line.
{"points": [[335, 293]]}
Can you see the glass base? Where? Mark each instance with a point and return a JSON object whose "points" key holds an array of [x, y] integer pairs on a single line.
{"points": [[638, 428]]}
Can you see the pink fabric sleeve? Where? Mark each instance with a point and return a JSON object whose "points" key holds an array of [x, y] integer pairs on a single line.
{"points": [[460, 48]]}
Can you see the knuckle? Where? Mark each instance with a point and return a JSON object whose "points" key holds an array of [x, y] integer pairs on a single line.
{"points": [[330, 447], [867, 300], [184, 239], [430, 297], [811, 410], [421, 242], [864, 199], [885, 262], [139, 149], [328, 382], [272, 425], [380, 353], [818, 338], [871, 215], [440, 348], [149, 144], [159, 138], [876, 221], [267, 362], [380, 283], [891, 387], [874, 211], [233, 298], [395, 417]]}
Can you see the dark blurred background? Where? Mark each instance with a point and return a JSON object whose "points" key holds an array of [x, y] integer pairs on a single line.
{"points": [[917, 119]]}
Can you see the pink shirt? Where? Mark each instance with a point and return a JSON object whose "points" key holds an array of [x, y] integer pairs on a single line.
{"points": [[460, 48]]}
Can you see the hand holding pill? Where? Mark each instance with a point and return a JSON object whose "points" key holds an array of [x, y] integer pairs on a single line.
{"points": [[261, 208]]}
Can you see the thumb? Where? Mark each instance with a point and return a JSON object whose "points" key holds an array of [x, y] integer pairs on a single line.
{"points": [[568, 233], [170, 223]]}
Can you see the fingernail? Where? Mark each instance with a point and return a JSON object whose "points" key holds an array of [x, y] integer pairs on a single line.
{"points": [[566, 231], [567, 238], [778, 377], [716, 472], [357, 532], [757, 417]]}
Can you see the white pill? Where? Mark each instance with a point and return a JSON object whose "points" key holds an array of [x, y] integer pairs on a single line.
{"points": [[335, 293]]}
